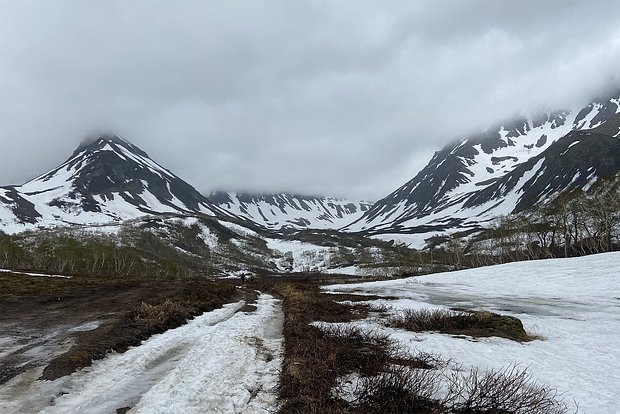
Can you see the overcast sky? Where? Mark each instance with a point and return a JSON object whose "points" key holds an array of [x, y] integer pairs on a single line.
{"points": [[345, 98]]}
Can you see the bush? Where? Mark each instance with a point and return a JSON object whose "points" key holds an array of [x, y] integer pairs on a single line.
{"points": [[399, 390], [511, 390], [160, 317], [404, 390], [475, 323], [315, 358]]}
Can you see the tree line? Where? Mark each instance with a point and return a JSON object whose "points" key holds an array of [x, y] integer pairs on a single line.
{"points": [[573, 224], [83, 253]]}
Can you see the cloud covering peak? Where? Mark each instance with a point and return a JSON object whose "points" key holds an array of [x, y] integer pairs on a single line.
{"points": [[345, 98]]}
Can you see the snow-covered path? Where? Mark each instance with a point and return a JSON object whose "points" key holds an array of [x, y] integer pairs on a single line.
{"points": [[573, 303], [223, 361]]}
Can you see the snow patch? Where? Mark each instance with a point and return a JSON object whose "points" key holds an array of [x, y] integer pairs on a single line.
{"points": [[573, 303]]}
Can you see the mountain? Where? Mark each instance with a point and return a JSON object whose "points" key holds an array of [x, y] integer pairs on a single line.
{"points": [[110, 194], [288, 211], [106, 179], [109, 180], [507, 168]]}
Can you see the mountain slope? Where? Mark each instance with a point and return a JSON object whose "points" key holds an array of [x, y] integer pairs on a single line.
{"points": [[576, 160], [482, 176], [105, 180], [288, 211], [14, 207]]}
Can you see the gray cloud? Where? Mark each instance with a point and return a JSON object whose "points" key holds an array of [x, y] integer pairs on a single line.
{"points": [[334, 97]]}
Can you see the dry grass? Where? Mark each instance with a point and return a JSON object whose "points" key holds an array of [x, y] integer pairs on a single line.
{"points": [[389, 379], [475, 323], [160, 316], [315, 358]]}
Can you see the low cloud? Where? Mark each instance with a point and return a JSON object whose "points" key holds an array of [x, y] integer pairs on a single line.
{"points": [[346, 98]]}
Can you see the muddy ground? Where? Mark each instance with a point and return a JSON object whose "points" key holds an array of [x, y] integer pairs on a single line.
{"points": [[65, 323]]}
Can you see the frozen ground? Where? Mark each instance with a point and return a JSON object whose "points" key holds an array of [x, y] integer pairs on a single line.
{"points": [[224, 361], [573, 303]]}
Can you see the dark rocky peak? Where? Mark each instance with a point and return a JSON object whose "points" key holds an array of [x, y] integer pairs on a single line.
{"points": [[98, 142], [555, 118], [610, 128], [105, 156], [571, 162], [606, 107], [109, 166]]}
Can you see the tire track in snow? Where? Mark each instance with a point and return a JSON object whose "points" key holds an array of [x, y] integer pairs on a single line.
{"points": [[212, 364]]}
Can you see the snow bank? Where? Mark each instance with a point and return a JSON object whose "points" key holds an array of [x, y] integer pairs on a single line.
{"points": [[573, 303]]}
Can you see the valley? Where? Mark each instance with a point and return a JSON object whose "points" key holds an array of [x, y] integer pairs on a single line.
{"points": [[309, 207], [275, 330], [486, 284]]}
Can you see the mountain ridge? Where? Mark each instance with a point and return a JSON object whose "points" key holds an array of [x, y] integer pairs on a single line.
{"points": [[447, 194], [506, 168], [286, 211]]}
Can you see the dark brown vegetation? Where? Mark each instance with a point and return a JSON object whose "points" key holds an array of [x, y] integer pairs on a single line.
{"points": [[389, 379], [315, 358], [398, 389], [128, 311], [471, 323], [511, 390]]}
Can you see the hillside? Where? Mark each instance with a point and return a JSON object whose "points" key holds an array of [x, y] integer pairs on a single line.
{"points": [[507, 168]]}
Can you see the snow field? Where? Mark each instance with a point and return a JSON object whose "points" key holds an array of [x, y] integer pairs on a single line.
{"points": [[305, 256], [572, 303]]}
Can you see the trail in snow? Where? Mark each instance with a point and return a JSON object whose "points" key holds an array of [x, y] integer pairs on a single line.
{"points": [[220, 362]]}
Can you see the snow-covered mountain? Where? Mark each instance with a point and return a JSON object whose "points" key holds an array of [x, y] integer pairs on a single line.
{"points": [[288, 211], [107, 179], [504, 169]]}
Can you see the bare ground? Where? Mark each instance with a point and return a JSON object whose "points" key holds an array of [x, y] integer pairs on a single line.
{"points": [[65, 324]]}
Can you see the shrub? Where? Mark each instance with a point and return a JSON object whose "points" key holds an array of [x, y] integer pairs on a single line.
{"points": [[510, 390], [474, 323], [386, 377], [315, 358], [160, 317], [399, 390]]}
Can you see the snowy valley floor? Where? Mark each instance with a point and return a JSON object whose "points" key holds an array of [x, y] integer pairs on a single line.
{"points": [[574, 304], [229, 360], [224, 361]]}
